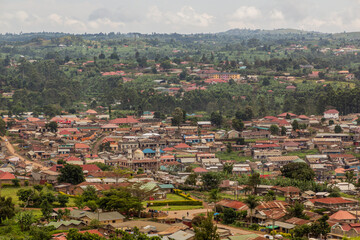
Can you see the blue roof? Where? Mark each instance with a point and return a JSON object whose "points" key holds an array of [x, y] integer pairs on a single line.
{"points": [[166, 186], [161, 151], [148, 150]]}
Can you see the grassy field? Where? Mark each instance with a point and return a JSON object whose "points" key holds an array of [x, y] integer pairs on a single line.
{"points": [[175, 208], [302, 154], [232, 156], [11, 192]]}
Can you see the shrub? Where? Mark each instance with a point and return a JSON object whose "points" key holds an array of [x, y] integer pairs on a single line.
{"points": [[7, 185], [26, 182], [254, 227], [16, 182]]}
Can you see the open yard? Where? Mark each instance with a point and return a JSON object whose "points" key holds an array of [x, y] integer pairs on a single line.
{"points": [[232, 156], [11, 192]]}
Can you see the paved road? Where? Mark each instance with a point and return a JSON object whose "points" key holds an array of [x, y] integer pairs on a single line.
{"points": [[11, 150]]}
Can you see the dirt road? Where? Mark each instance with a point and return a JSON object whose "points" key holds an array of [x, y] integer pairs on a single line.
{"points": [[11, 150], [195, 212]]}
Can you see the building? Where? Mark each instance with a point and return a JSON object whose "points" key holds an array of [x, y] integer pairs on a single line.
{"points": [[331, 114]]}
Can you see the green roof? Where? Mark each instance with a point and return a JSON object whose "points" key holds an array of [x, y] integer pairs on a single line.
{"points": [[271, 227], [166, 186], [299, 160], [65, 223]]}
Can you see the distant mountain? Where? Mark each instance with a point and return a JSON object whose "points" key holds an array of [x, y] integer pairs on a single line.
{"points": [[237, 31]]}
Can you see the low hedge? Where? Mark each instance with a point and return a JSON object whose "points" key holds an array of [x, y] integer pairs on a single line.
{"points": [[70, 196], [176, 203]]}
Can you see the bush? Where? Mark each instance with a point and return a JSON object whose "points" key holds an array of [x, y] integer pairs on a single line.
{"points": [[16, 182], [254, 227], [26, 182], [7, 185]]}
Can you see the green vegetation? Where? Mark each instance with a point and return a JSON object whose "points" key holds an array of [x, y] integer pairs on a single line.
{"points": [[302, 154], [232, 156]]}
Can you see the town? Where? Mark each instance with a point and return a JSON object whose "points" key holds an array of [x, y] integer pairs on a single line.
{"points": [[278, 177], [237, 135]]}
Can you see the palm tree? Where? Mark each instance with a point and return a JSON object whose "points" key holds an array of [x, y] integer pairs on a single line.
{"points": [[252, 202], [214, 195]]}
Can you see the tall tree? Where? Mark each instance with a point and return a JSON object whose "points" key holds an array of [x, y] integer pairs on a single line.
{"points": [[207, 230], [2, 127], [7, 208], [254, 181], [299, 171], [252, 202], [71, 174]]}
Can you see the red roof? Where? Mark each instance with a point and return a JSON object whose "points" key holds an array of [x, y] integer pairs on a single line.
{"points": [[233, 204], [81, 146], [332, 111], [199, 170], [6, 175], [90, 168], [73, 158], [271, 118], [333, 200], [303, 117], [342, 215], [168, 149], [127, 120], [181, 146], [90, 111], [286, 113]]}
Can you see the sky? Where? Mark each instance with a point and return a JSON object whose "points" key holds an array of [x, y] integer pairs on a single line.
{"points": [[180, 16]]}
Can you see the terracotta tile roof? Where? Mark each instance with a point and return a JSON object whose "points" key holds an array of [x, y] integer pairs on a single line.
{"points": [[333, 200], [127, 120], [342, 215], [181, 146], [90, 168], [6, 175], [81, 146], [233, 204], [331, 111], [199, 170], [297, 221]]}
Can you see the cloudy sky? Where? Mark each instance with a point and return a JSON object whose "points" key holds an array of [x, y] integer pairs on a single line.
{"points": [[181, 16]]}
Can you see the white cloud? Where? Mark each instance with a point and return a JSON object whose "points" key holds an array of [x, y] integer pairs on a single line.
{"points": [[186, 16], [276, 15], [246, 12], [154, 14]]}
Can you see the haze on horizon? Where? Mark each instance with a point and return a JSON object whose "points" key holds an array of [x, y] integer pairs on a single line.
{"points": [[186, 16]]}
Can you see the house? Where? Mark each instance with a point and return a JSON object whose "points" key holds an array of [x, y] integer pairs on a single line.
{"points": [[343, 216], [102, 217], [66, 225], [331, 114], [82, 147], [282, 160], [109, 127], [150, 227], [289, 191], [6, 177], [333, 203], [236, 205], [339, 230], [182, 235]]}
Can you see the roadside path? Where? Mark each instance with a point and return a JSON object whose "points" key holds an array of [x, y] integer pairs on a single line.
{"points": [[11, 150]]}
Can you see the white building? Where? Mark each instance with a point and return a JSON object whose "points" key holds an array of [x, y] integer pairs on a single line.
{"points": [[331, 114]]}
